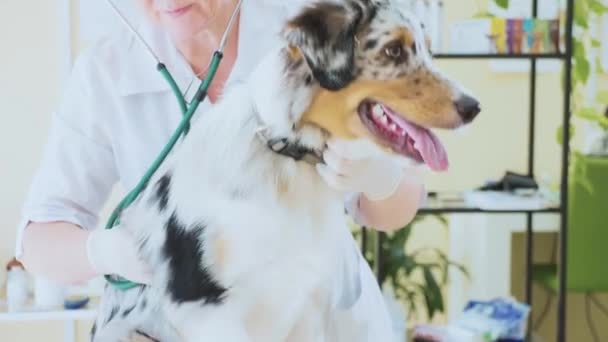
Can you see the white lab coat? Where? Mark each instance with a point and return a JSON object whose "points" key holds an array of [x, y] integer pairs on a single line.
{"points": [[118, 112]]}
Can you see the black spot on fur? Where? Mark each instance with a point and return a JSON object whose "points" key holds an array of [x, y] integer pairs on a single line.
{"points": [[143, 305], [93, 330], [324, 32], [414, 49], [139, 332], [162, 191], [365, 12], [370, 44], [417, 81], [308, 80], [296, 64], [113, 313], [189, 280], [239, 194], [127, 312]]}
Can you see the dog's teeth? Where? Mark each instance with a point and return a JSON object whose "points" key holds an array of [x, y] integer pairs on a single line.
{"points": [[384, 119], [377, 111], [393, 127]]}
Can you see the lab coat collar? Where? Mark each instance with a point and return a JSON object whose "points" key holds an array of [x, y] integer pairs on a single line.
{"points": [[256, 36], [140, 74]]}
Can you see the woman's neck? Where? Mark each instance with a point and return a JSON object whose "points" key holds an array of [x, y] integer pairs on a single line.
{"points": [[199, 49]]}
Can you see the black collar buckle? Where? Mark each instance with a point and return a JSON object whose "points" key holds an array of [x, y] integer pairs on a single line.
{"points": [[294, 150]]}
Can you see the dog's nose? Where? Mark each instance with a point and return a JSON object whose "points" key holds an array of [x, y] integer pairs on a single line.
{"points": [[467, 108]]}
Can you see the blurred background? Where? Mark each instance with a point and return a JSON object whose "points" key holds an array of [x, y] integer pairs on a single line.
{"points": [[41, 40]]}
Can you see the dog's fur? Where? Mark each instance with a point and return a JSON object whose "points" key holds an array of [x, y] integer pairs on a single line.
{"points": [[250, 245]]}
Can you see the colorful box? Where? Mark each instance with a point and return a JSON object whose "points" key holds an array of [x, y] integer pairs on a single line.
{"points": [[507, 36], [498, 35]]}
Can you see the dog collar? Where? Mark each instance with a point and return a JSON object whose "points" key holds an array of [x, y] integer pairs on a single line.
{"points": [[294, 150], [286, 146], [289, 148]]}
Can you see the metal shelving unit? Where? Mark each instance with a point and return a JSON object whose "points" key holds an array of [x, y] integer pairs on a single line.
{"points": [[561, 209], [499, 56], [69, 318]]}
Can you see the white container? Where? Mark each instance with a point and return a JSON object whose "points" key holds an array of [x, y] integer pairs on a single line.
{"points": [[47, 294], [16, 289]]}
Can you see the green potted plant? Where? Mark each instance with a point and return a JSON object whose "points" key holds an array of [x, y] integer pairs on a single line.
{"points": [[416, 277]]}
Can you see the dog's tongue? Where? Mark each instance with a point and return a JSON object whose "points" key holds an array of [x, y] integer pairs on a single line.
{"points": [[425, 142]]}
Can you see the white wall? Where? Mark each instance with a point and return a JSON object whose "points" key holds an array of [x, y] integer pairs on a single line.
{"points": [[29, 89]]}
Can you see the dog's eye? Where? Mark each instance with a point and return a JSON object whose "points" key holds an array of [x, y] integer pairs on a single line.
{"points": [[394, 50]]}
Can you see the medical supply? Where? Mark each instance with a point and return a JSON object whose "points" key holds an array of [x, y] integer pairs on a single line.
{"points": [[76, 302], [438, 333], [505, 36], [48, 294], [187, 112], [16, 286], [496, 319], [500, 319], [511, 181]]}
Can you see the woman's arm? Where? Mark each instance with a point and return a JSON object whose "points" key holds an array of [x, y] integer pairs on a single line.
{"points": [[397, 210], [388, 194], [57, 251], [65, 253]]}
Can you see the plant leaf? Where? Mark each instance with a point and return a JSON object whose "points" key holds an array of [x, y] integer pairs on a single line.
{"points": [[587, 113], [480, 15], [593, 115], [462, 269], [581, 64], [560, 135], [502, 3], [402, 236], [432, 293], [583, 70], [581, 13], [602, 97], [412, 299], [442, 219], [597, 7]]}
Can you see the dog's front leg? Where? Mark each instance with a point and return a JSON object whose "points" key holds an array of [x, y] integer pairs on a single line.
{"points": [[206, 322], [275, 309]]}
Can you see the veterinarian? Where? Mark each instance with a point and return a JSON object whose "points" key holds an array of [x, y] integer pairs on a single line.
{"points": [[117, 113]]}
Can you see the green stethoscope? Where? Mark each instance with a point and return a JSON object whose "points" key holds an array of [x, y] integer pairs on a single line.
{"points": [[182, 128]]}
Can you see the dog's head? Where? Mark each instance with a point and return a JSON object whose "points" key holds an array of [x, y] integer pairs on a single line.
{"points": [[371, 65]]}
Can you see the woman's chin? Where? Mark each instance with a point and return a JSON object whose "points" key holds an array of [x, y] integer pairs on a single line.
{"points": [[186, 28], [184, 32]]}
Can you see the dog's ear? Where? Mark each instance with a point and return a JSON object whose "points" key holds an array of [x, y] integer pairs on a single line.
{"points": [[323, 35]]}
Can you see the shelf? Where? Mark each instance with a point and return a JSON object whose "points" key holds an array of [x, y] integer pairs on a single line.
{"points": [[32, 313], [438, 203], [464, 210], [499, 56], [56, 315]]}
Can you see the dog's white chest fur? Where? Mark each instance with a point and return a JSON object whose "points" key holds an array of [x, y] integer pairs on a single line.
{"points": [[271, 236]]}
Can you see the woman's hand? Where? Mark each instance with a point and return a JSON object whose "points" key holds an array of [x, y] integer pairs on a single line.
{"points": [[360, 166], [114, 251], [387, 193]]}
